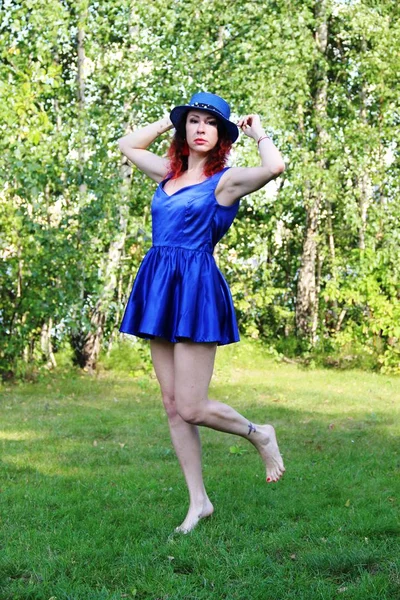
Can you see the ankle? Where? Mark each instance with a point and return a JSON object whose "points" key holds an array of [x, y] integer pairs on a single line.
{"points": [[199, 501], [252, 429]]}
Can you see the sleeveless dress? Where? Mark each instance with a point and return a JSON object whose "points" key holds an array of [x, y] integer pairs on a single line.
{"points": [[179, 293]]}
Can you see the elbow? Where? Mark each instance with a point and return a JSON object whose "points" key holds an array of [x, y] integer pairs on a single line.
{"points": [[126, 145], [279, 168]]}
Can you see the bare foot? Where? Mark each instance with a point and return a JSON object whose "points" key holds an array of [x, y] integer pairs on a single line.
{"points": [[194, 515], [266, 444]]}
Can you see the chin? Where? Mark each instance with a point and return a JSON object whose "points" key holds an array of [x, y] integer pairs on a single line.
{"points": [[201, 150]]}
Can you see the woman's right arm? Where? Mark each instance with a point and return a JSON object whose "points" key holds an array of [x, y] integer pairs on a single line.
{"points": [[134, 147]]}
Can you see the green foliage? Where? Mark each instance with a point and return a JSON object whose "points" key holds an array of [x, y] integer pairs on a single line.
{"points": [[75, 222], [365, 290], [130, 358]]}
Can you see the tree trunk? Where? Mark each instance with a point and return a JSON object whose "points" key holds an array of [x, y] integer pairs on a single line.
{"points": [[364, 180], [45, 343], [306, 302], [307, 292], [81, 88], [78, 338], [365, 193], [331, 238]]}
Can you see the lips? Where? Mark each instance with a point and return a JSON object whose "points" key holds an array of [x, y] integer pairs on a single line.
{"points": [[200, 141]]}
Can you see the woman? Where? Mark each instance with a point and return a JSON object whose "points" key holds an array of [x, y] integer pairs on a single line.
{"points": [[180, 300]]}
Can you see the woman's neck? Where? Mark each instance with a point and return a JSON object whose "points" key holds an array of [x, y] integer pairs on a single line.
{"points": [[196, 165]]}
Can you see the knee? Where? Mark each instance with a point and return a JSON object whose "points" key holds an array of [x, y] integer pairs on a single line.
{"points": [[191, 414], [169, 405]]}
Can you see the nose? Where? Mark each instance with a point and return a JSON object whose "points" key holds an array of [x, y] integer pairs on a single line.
{"points": [[200, 127]]}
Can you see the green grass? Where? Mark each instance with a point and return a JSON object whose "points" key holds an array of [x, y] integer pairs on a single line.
{"points": [[90, 489]]}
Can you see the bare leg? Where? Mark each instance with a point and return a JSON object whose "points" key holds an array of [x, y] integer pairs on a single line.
{"points": [[185, 437], [194, 365]]}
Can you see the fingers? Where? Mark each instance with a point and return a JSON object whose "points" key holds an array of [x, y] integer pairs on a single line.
{"points": [[245, 121], [249, 124]]}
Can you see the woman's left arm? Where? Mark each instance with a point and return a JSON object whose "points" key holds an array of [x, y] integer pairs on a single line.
{"points": [[240, 181]]}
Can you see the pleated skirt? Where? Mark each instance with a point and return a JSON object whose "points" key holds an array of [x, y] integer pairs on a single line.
{"points": [[179, 294]]}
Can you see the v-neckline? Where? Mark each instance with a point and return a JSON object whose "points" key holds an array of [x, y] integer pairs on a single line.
{"points": [[184, 187]]}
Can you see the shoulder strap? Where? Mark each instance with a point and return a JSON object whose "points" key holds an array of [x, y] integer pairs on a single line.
{"points": [[217, 176]]}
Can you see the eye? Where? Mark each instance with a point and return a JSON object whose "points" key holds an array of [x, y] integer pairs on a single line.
{"points": [[212, 122], [193, 120]]}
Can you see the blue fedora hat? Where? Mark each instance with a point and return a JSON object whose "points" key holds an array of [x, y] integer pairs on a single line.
{"points": [[210, 103]]}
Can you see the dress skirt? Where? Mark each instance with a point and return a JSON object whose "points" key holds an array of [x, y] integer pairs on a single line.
{"points": [[180, 294]]}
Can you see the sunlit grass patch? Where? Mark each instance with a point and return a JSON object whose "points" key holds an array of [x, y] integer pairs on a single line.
{"points": [[91, 490]]}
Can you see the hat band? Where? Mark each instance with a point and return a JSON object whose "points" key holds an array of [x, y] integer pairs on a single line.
{"points": [[208, 107]]}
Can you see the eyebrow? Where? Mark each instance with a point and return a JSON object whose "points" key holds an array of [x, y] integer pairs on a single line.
{"points": [[197, 115]]}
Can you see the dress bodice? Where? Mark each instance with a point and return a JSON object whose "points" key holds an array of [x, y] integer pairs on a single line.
{"points": [[191, 218]]}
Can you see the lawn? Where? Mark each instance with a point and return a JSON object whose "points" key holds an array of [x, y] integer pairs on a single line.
{"points": [[90, 489]]}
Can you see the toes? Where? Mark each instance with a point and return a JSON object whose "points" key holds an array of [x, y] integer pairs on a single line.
{"points": [[181, 530], [185, 530], [274, 477]]}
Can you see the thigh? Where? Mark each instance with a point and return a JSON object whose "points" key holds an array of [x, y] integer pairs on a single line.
{"points": [[193, 369], [162, 355]]}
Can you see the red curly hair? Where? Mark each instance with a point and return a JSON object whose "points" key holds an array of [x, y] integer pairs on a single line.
{"points": [[178, 154]]}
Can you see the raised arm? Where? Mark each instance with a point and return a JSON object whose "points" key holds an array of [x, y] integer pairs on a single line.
{"points": [[240, 181], [134, 147]]}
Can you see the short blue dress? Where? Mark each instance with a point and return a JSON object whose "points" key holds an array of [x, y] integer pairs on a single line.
{"points": [[179, 293]]}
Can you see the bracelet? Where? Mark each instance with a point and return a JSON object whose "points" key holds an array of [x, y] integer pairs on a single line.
{"points": [[261, 138]]}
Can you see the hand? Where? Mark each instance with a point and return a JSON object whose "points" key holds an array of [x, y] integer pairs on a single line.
{"points": [[251, 126]]}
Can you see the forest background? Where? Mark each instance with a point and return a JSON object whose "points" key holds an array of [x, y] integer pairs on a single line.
{"points": [[313, 260]]}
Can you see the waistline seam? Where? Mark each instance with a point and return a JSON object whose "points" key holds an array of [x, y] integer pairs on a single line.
{"points": [[184, 248]]}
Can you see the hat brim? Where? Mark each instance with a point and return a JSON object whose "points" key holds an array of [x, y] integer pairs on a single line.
{"points": [[177, 114]]}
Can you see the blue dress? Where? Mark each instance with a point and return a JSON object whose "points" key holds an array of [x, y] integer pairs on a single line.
{"points": [[179, 293]]}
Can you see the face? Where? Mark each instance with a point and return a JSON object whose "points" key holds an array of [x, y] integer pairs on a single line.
{"points": [[201, 130]]}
